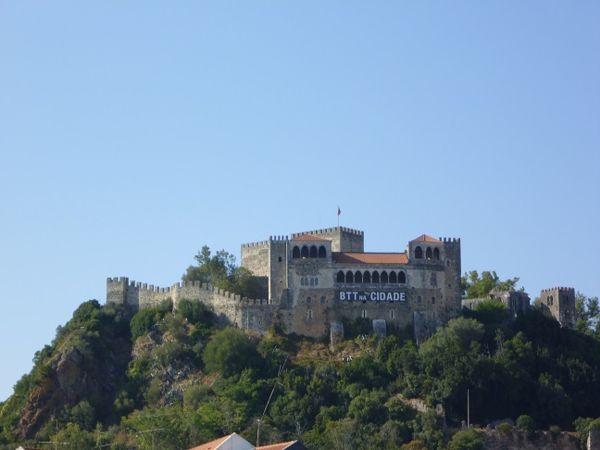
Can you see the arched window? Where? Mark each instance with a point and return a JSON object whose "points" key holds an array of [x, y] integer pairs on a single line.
{"points": [[313, 251], [322, 252], [340, 277], [418, 252], [375, 277], [358, 277], [401, 277], [428, 253], [302, 281], [367, 277], [349, 277], [296, 252], [393, 277], [384, 277], [308, 300], [433, 300], [436, 253], [304, 252]]}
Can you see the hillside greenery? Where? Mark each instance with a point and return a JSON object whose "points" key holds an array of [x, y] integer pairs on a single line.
{"points": [[172, 379]]}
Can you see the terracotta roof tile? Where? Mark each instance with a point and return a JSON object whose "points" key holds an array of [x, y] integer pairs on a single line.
{"points": [[426, 238], [370, 258], [279, 446], [212, 444], [308, 237]]}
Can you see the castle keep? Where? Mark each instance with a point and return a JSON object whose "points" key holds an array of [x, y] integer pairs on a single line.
{"points": [[318, 279]]}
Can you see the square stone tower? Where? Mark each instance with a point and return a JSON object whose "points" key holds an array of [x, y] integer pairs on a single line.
{"points": [[559, 302]]}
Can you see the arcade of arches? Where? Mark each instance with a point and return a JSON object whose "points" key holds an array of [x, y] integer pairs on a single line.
{"points": [[368, 277], [309, 252]]}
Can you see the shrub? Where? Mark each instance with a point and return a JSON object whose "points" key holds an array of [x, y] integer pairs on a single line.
{"points": [[230, 351], [554, 429], [525, 423], [466, 440], [414, 445], [143, 321], [504, 427], [195, 312]]}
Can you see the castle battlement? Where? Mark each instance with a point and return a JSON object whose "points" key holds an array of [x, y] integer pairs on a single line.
{"points": [[121, 289], [559, 289], [447, 240], [255, 244], [328, 231], [278, 238]]}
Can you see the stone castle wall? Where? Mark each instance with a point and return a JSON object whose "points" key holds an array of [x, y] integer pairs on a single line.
{"points": [[256, 315], [342, 239]]}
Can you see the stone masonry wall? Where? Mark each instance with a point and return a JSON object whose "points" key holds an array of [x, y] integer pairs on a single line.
{"points": [[342, 239], [246, 313]]}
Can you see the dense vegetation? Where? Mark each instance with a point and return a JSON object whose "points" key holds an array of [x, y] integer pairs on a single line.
{"points": [[171, 379]]}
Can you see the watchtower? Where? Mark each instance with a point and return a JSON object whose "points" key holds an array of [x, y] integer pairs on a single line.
{"points": [[560, 303]]}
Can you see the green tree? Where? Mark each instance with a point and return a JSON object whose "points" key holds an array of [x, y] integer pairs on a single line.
{"points": [[143, 321], [230, 351], [368, 406], [72, 437], [525, 423], [212, 269], [474, 285], [466, 440], [587, 313], [220, 270]]}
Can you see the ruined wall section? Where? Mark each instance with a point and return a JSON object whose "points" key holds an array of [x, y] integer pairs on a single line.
{"points": [[230, 308]]}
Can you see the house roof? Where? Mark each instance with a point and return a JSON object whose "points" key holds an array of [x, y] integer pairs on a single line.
{"points": [[370, 258], [212, 444], [308, 237], [233, 440], [279, 446], [426, 238]]}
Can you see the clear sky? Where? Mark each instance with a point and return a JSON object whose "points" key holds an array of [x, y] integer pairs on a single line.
{"points": [[132, 133]]}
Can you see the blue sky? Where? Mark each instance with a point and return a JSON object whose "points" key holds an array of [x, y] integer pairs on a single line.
{"points": [[133, 133]]}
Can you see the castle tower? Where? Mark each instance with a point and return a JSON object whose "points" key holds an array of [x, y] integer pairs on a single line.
{"points": [[342, 239], [451, 258], [268, 260], [559, 302]]}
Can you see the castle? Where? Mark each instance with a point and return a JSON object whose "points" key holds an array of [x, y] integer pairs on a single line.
{"points": [[318, 280]]}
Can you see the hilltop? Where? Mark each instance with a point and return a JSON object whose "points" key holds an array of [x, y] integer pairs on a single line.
{"points": [[178, 378], [165, 377]]}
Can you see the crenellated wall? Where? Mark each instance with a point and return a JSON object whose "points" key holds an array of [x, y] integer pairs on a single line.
{"points": [[343, 239], [253, 314]]}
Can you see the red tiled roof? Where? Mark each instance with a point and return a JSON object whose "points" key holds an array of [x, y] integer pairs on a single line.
{"points": [[308, 237], [212, 444], [370, 258], [279, 446], [425, 238]]}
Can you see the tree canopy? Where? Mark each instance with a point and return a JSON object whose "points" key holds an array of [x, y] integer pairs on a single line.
{"points": [[474, 285], [220, 270]]}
